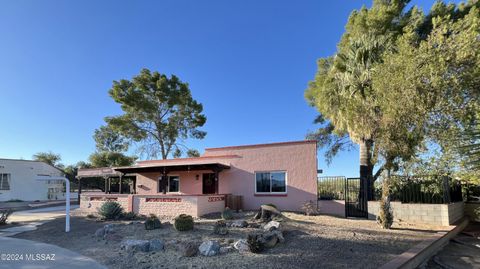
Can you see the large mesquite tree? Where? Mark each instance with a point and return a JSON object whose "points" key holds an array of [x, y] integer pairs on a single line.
{"points": [[159, 112]]}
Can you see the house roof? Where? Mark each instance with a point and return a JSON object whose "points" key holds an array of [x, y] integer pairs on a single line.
{"points": [[264, 145], [32, 161]]}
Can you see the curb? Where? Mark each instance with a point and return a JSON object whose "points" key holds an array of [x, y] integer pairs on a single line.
{"points": [[421, 252]]}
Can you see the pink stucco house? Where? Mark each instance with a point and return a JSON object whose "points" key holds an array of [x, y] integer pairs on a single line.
{"points": [[284, 174]]}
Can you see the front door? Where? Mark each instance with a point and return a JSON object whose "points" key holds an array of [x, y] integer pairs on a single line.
{"points": [[209, 184]]}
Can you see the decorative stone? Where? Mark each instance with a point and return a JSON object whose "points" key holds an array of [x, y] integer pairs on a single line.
{"points": [[271, 209], [100, 232], [109, 228], [188, 249], [224, 250], [279, 235], [269, 240], [271, 225], [135, 245], [156, 245], [239, 224], [241, 245], [209, 248]]}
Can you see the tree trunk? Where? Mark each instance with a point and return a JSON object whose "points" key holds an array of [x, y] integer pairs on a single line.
{"points": [[366, 168]]}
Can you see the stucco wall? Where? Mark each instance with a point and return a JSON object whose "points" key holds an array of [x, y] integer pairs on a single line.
{"points": [[299, 160], [23, 183], [435, 214]]}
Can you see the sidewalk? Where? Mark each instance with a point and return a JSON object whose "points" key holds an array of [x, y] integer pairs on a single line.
{"points": [[33, 218], [30, 254]]}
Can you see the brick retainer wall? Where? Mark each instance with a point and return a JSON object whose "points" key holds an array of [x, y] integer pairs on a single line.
{"points": [[161, 205], [434, 214]]}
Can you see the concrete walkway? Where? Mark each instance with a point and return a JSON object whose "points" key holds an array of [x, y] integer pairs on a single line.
{"points": [[26, 254], [33, 218]]}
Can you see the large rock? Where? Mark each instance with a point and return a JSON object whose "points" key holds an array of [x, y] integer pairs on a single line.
{"points": [[100, 232], [241, 245], [109, 228], [269, 240], [209, 248], [156, 245], [188, 249], [272, 225], [239, 223], [271, 209], [135, 245], [224, 250]]}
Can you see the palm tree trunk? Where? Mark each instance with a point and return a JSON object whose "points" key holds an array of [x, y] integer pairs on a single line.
{"points": [[366, 167]]}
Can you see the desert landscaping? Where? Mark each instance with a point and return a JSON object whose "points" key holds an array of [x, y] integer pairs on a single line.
{"points": [[307, 240]]}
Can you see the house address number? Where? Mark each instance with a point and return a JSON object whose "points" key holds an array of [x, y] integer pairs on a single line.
{"points": [[216, 198]]}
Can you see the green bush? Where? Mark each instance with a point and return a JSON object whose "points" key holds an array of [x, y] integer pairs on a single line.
{"points": [[110, 210], [129, 216], [14, 201], [152, 223], [90, 216], [227, 214], [4, 214], [183, 223]]}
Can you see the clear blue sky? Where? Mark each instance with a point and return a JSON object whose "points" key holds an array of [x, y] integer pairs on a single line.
{"points": [[248, 62]]}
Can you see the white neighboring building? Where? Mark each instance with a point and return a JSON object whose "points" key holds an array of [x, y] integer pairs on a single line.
{"points": [[18, 181]]}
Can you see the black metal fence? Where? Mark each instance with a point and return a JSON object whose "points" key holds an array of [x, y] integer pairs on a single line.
{"points": [[425, 189], [331, 188]]}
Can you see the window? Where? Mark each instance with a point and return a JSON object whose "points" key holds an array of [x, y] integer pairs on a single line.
{"points": [[173, 183], [270, 182], [5, 182]]}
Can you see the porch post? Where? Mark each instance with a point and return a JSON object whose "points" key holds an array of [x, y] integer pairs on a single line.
{"points": [[163, 184], [79, 188], [106, 185], [120, 185]]}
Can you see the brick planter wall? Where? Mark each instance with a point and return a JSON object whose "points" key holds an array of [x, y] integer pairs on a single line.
{"points": [[161, 205], [434, 214]]}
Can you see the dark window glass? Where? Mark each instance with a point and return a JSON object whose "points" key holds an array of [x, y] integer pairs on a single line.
{"points": [[278, 181], [263, 182], [173, 183]]}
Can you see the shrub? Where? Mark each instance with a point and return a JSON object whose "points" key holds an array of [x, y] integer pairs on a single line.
{"points": [[129, 216], [14, 201], [183, 223], [4, 214], [90, 216], [152, 223], [255, 242], [309, 208], [476, 213], [110, 210], [385, 216], [227, 214]]}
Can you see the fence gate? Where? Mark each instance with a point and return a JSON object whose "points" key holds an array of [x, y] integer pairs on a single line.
{"points": [[356, 198]]}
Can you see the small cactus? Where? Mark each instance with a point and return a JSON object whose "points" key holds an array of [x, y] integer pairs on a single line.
{"points": [[183, 223], [152, 223], [227, 214]]}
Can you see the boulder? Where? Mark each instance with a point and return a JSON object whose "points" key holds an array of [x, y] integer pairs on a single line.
{"points": [[272, 225], [100, 232], [270, 209], [239, 224], [109, 228], [135, 245], [188, 249], [279, 235], [209, 248], [269, 240], [241, 245], [156, 245], [224, 250]]}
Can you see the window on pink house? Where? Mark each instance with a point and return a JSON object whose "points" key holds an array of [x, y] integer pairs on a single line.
{"points": [[271, 182]]}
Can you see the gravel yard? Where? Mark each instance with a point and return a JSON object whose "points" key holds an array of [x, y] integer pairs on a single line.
{"points": [[310, 242]]}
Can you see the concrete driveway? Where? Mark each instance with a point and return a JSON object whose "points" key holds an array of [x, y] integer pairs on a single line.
{"points": [[32, 218], [25, 254]]}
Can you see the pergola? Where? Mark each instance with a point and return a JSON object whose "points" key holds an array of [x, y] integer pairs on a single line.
{"points": [[107, 173]]}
